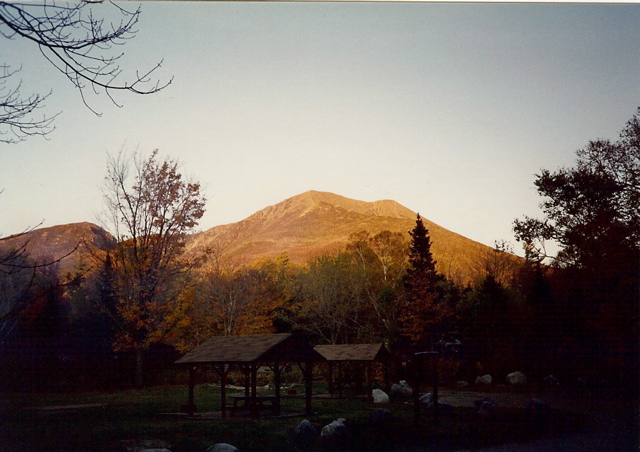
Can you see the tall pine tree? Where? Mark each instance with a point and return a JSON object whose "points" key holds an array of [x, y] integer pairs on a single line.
{"points": [[423, 310]]}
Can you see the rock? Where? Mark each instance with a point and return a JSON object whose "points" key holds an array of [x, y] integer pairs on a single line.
{"points": [[461, 384], [426, 399], [517, 378], [222, 447], [479, 402], [484, 380], [336, 428], [379, 396], [381, 416], [403, 389], [305, 434], [335, 436], [143, 445], [487, 408]]}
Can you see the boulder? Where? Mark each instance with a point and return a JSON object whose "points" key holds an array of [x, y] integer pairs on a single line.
{"points": [[379, 396], [146, 445], [517, 378], [402, 389], [305, 434], [487, 408], [479, 402], [222, 447], [337, 428], [335, 436], [380, 416], [461, 384], [484, 380], [426, 402], [426, 399]]}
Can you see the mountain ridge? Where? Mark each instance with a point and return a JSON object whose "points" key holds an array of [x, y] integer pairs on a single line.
{"points": [[52, 243], [303, 226], [314, 223]]}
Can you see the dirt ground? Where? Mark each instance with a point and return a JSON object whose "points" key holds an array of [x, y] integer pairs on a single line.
{"points": [[581, 403], [617, 428]]}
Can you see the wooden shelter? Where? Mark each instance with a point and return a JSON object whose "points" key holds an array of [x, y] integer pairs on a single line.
{"points": [[248, 353], [364, 354]]}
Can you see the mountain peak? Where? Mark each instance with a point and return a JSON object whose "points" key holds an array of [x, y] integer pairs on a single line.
{"points": [[316, 222], [312, 200]]}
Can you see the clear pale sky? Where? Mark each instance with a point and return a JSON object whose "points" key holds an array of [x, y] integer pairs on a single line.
{"points": [[449, 109]]}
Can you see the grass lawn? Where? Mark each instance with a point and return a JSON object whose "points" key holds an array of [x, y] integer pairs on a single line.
{"points": [[127, 417]]}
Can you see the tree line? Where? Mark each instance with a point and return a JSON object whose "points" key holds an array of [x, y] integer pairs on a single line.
{"points": [[572, 314]]}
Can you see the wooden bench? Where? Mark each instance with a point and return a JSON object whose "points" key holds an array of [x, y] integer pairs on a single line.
{"points": [[69, 410], [260, 402]]}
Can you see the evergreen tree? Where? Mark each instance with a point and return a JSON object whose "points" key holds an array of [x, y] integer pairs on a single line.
{"points": [[423, 313]]}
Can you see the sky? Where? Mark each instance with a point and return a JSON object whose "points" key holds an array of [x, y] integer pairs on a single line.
{"points": [[449, 109]]}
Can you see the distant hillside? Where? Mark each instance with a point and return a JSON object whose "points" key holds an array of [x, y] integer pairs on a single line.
{"points": [[48, 244], [314, 223], [304, 226]]}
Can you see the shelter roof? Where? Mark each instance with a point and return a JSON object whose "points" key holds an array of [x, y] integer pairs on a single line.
{"points": [[248, 349], [353, 352]]}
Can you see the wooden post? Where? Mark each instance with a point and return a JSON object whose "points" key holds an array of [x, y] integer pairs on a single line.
{"points": [[247, 382], [435, 387], [385, 370], [254, 390], [331, 387], [368, 370], [223, 391], [192, 382], [417, 376], [276, 381], [307, 372], [309, 387]]}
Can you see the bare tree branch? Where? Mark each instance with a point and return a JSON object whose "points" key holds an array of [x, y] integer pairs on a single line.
{"points": [[77, 43], [17, 114]]}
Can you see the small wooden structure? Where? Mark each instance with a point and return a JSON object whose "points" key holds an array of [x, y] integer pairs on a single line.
{"points": [[248, 353], [364, 354]]}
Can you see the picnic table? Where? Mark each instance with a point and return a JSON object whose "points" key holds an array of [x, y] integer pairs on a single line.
{"points": [[262, 402], [65, 410]]}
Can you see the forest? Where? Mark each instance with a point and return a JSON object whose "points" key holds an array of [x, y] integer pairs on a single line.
{"points": [[122, 318]]}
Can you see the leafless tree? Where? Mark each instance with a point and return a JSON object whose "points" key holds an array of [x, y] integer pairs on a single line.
{"points": [[381, 260], [77, 40], [500, 263], [230, 293], [330, 292]]}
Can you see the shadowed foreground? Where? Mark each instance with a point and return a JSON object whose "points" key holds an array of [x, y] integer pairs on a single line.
{"points": [[129, 419]]}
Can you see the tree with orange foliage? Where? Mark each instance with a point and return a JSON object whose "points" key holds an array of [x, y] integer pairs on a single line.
{"points": [[150, 218]]}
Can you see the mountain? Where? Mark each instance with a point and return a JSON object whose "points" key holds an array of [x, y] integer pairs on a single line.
{"points": [[303, 226], [52, 243], [313, 223]]}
